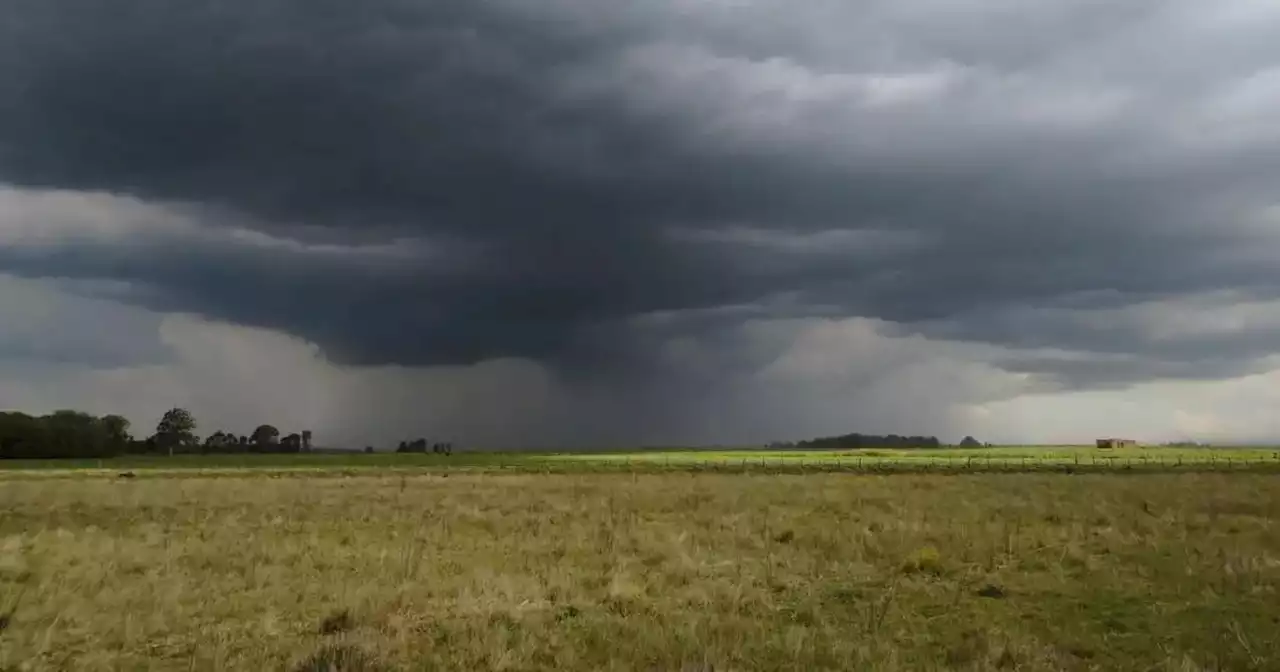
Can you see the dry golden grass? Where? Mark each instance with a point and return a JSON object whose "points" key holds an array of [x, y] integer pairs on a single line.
{"points": [[638, 572]]}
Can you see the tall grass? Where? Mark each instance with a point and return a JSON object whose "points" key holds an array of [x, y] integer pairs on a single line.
{"points": [[636, 571]]}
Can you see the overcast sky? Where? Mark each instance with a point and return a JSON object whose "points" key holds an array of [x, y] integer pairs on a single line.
{"points": [[672, 221]]}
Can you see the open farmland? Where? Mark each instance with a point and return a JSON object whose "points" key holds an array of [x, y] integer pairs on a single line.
{"points": [[641, 571], [1005, 458], [1027, 458]]}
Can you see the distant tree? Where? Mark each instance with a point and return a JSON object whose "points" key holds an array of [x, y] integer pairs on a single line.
{"points": [[62, 433], [117, 431], [855, 441], [176, 428], [403, 447], [264, 437], [222, 442], [368, 449], [76, 434], [970, 442], [306, 440], [21, 435], [291, 443]]}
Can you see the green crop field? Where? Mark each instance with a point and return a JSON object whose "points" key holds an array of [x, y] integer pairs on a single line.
{"points": [[671, 570], [997, 456], [1026, 458]]}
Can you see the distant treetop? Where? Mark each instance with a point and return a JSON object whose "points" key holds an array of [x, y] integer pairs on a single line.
{"points": [[856, 440]]}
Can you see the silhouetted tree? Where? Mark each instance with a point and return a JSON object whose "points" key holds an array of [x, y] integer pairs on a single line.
{"points": [[176, 428], [291, 444], [117, 429], [264, 437], [854, 441], [222, 442], [60, 434]]}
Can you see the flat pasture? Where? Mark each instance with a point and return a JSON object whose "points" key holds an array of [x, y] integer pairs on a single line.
{"points": [[679, 570], [950, 460], [1002, 457]]}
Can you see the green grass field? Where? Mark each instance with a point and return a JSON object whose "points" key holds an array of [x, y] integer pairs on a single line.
{"points": [[682, 570], [1027, 458]]}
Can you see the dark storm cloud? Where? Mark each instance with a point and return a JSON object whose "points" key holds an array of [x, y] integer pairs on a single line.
{"points": [[584, 165]]}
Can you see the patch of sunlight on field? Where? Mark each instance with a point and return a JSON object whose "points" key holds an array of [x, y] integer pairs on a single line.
{"points": [[1003, 458], [1061, 454]]}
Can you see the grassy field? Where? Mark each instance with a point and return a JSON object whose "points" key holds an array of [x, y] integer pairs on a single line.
{"points": [[673, 571], [1026, 458]]}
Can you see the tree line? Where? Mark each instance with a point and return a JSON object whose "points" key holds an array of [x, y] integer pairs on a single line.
{"points": [[855, 441], [72, 434]]}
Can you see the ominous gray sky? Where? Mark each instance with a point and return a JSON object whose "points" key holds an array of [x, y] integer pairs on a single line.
{"points": [[603, 221]]}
